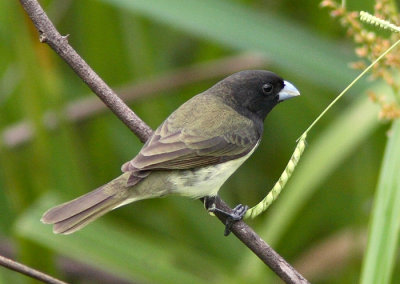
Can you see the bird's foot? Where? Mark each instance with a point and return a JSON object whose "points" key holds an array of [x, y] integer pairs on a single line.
{"points": [[236, 215], [231, 217]]}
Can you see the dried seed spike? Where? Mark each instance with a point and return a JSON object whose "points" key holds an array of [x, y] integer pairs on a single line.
{"points": [[279, 185]]}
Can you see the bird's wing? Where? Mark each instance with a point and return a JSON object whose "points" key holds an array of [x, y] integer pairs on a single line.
{"points": [[186, 140]]}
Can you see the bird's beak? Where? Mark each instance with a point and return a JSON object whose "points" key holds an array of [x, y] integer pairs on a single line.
{"points": [[289, 91]]}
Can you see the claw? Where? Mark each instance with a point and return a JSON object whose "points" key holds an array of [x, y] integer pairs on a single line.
{"points": [[237, 214]]}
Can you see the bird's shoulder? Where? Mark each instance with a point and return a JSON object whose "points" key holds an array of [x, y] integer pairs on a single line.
{"points": [[205, 115]]}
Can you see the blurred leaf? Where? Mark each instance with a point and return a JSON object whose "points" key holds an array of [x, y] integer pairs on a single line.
{"points": [[128, 254], [385, 220], [239, 27]]}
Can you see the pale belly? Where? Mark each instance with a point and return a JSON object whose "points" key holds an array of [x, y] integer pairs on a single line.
{"points": [[205, 181]]}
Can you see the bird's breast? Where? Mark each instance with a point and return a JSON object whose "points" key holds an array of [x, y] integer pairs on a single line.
{"points": [[205, 181]]}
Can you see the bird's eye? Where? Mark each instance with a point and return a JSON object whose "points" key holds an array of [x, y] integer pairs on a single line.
{"points": [[267, 89]]}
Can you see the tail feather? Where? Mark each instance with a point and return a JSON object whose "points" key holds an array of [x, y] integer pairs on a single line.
{"points": [[74, 207], [75, 214], [81, 219]]}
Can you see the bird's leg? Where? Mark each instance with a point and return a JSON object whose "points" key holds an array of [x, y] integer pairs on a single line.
{"points": [[231, 217]]}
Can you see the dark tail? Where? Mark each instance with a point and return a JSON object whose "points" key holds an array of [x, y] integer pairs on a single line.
{"points": [[75, 214]]}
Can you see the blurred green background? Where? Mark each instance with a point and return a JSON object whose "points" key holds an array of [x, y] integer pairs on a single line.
{"points": [[55, 144]]}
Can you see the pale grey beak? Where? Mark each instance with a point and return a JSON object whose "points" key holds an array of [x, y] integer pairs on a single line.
{"points": [[289, 91]]}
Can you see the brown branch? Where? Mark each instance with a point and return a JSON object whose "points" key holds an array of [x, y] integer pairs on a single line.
{"points": [[59, 43], [267, 254], [89, 106], [49, 34], [21, 268]]}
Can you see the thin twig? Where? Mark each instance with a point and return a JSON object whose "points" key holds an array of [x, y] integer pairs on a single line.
{"points": [[75, 269], [61, 46], [59, 43], [21, 268], [89, 106]]}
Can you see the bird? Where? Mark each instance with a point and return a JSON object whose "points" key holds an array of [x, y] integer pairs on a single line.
{"points": [[192, 153]]}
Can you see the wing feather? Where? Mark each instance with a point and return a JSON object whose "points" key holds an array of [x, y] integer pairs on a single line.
{"points": [[186, 140]]}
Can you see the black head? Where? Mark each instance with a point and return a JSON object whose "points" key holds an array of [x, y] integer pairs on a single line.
{"points": [[255, 91]]}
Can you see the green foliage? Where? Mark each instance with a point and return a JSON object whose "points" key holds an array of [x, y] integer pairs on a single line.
{"points": [[173, 240], [384, 226], [265, 32]]}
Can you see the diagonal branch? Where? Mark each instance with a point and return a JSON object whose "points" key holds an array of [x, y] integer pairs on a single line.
{"points": [[50, 35], [260, 248], [59, 43]]}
